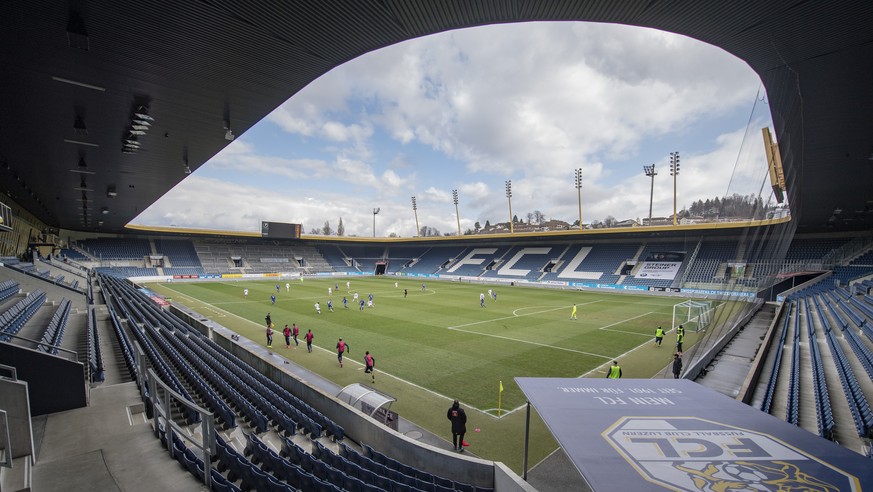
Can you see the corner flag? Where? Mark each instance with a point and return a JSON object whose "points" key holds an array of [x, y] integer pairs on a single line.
{"points": [[499, 398]]}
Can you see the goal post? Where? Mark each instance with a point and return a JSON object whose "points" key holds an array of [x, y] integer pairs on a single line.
{"points": [[693, 315]]}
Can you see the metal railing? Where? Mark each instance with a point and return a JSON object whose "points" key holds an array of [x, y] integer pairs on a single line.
{"points": [[161, 398]]}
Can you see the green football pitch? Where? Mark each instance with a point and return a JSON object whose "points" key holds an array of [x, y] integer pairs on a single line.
{"points": [[437, 343]]}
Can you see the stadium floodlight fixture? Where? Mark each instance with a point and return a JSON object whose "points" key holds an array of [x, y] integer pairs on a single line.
{"points": [[142, 122], [415, 211], [579, 193], [141, 128], [674, 171], [375, 213], [457, 213], [509, 197], [137, 132], [650, 172]]}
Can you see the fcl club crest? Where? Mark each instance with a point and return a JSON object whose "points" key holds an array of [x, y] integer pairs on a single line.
{"points": [[693, 454]]}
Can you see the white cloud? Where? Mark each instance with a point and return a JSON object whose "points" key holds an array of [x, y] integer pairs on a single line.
{"points": [[469, 109]]}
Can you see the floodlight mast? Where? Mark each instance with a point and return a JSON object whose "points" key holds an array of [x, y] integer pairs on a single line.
{"points": [[674, 171], [650, 172], [375, 212], [509, 197], [415, 211], [457, 214], [579, 192]]}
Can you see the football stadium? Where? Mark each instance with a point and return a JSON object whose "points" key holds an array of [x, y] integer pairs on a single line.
{"points": [[725, 351]]}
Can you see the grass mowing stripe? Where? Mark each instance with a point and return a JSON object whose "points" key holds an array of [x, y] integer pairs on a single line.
{"points": [[331, 352], [624, 321], [529, 342], [409, 338]]}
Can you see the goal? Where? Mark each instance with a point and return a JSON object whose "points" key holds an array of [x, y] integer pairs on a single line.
{"points": [[693, 315]]}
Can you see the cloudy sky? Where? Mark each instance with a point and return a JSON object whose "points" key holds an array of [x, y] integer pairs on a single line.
{"points": [[467, 110]]}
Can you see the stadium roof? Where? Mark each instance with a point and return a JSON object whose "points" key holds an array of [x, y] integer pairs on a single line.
{"points": [[77, 74]]}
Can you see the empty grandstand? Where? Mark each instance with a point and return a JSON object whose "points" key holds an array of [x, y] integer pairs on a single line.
{"points": [[107, 384]]}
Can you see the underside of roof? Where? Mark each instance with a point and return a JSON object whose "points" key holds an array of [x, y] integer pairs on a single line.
{"points": [[78, 76]]}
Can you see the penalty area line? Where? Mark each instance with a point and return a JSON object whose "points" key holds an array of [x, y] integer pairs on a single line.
{"points": [[530, 342]]}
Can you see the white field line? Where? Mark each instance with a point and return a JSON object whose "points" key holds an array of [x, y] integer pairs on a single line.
{"points": [[596, 369], [624, 321], [279, 299], [544, 459], [514, 315], [532, 343], [330, 351], [626, 332]]}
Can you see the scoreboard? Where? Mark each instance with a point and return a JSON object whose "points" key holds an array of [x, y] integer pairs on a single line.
{"points": [[280, 230]]}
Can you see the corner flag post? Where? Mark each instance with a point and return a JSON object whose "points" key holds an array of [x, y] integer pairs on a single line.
{"points": [[499, 398]]}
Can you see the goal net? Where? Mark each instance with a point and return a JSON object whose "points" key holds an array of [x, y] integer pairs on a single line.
{"points": [[693, 315]]}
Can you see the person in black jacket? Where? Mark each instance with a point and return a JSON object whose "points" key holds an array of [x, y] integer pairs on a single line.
{"points": [[677, 365], [459, 425]]}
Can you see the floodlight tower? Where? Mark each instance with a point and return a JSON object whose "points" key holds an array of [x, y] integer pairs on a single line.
{"points": [[375, 212], [674, 171], [650, 172], [509, 197], [457, 214], [415, 211], [579, 192]]}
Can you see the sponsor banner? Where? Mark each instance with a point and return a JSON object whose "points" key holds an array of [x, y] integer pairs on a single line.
{"points": [[658, 270], [633, 287], [271, 274], [210, 275], [709, 292], [665, 289], [160, 301], [780, 298], [186, 276], [665, 434], [669, 256], [231, 275]]}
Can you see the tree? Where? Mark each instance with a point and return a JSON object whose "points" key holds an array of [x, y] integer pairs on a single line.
{"points": [[427, 231], [393, 234], [530, 217], [477, 227], [340, 228], [487, 224], [515, 219], [609, 221], [315, 231], [326, 230], [539, 217], [469, 232]]}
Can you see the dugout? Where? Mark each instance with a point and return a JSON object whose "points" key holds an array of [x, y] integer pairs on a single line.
{"points": [[371, 402]]}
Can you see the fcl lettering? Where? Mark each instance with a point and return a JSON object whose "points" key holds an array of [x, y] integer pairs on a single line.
{"points": [[697, 447]]}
